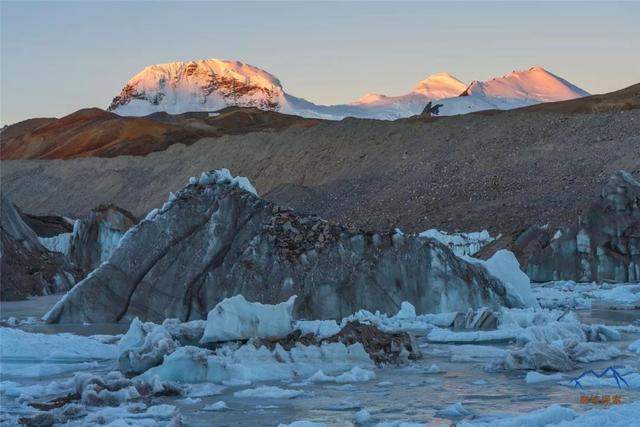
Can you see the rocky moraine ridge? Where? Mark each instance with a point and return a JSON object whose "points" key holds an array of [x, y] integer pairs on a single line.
{"points": [[214, 239], [603, 244]]}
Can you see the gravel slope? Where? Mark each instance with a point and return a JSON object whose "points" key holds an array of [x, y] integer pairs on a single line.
{"points": [[490, 170]]}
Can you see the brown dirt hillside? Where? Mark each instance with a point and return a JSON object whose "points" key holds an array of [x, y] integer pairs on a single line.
{"points": [[624, 99], [97, 133]]}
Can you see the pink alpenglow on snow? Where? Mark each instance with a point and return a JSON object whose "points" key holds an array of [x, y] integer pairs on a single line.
{"points": [[534, 84], [213, 84]]}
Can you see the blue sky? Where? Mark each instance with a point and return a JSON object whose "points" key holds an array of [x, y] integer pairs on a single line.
{"points": [[58, 57]]}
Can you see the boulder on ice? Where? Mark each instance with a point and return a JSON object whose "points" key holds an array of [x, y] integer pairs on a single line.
{"points": [[214, 239]]}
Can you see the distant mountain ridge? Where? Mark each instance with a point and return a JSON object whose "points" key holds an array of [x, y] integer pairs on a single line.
{"points": [[213, 84], [535, 84]]}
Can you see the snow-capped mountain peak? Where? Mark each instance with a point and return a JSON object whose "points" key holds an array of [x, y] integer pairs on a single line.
{"points": [[209, 84], [212, 84], [534, 84], [370, 98], [439, 86], [434, 87]]}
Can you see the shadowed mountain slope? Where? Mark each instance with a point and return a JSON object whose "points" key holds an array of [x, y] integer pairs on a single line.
{"points": [[93, 132]]}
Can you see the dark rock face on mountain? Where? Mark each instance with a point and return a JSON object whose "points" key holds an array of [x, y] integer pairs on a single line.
{"points": [[603, 245], [208, 82], [28, 268], [228, 88], [214, 240]]}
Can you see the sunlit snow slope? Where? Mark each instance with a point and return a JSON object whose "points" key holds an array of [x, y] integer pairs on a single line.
{"points": [[212, 84]]}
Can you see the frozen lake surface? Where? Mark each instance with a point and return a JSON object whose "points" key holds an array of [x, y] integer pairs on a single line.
{"points": [[460, 387]]}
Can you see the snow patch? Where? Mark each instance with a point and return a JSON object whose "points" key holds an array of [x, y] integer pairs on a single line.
{"points": [[250, 364], [407, 311], [319, 328], [223, 175], [302, 423], [614, 416], [455, 410], [235, 319], [542, 417], [362, 416], [58, 243], [217, 406], [579, 296], [460, 243], [504, 266], [356, 374], [536, 377], [269, 392], [21, 346]]}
